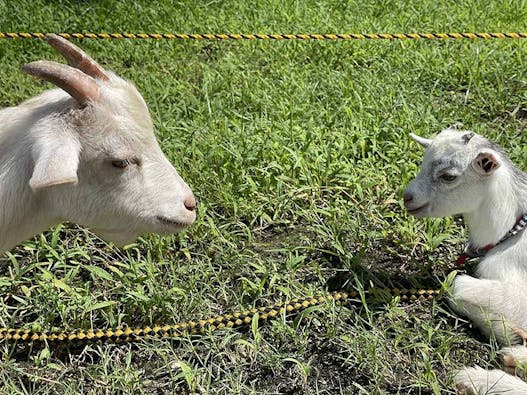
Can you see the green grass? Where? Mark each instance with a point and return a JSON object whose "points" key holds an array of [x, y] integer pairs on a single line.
{"points": [[298, 153]]}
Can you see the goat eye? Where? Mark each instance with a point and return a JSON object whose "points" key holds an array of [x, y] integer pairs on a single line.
{"points": [[121, 164], [448, 177]]}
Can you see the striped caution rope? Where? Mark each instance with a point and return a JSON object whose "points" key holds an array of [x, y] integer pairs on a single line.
{"points": [[276, 37], [233, 320]]}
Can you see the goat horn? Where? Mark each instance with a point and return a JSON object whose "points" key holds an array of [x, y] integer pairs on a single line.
{"points": [[80, 86], [421, 140], [76, 57]]}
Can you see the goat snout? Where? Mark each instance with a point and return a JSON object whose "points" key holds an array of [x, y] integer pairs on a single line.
{"points": [[407, 197], [414, 206], [190, 203]]}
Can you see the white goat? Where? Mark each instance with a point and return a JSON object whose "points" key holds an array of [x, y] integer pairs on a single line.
{"points": [[85, 153], [464, 173]]}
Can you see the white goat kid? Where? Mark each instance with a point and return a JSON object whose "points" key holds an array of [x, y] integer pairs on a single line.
{"points": [[85, 153], [464, 173]]}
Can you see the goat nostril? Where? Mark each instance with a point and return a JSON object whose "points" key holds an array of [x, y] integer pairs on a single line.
{"points": [[407, 197], [190, 203]]}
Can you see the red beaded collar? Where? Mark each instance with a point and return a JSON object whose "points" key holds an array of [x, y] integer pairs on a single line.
{"points": [[471, 252]]}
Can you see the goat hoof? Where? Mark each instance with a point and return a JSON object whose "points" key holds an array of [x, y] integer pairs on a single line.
{"points": [[464, 380], [522, 333], [515, 360], [464, 390]]}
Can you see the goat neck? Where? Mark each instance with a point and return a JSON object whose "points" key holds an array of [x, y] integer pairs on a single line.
{"points": [[500, 208]]}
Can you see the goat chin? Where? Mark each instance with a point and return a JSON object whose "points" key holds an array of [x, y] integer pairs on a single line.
{"points": [[491, 191], [119, 238]]}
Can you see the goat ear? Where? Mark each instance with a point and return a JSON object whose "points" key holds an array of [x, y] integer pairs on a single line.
{"points": [[485, 163], [56, 162]]}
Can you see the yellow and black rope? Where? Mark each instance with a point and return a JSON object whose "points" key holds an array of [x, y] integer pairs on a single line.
{"points": [[233, 320], [276, 37]]}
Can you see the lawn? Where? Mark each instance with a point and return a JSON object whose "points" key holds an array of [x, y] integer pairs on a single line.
{"points": [[298, 153]]}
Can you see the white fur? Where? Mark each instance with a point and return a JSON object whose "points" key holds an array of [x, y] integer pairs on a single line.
{"points": [[490, 202], [489, 382], [56, 165]]}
